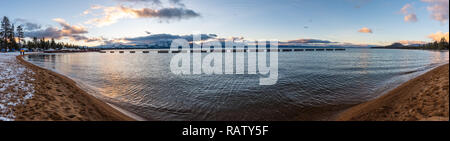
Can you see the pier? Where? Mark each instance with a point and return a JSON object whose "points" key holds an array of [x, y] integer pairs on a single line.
{"points": [[287, 50], [234, 50]]}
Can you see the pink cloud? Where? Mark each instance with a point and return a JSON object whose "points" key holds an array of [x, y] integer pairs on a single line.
{"points": [[408, 11], [438, 36], [439, 9], [365, 30]]}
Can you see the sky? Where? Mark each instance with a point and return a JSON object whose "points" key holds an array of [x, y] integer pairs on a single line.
{"points": [[299, 22]]}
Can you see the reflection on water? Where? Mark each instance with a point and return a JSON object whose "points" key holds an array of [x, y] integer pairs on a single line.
{"points": [[309, 83]]}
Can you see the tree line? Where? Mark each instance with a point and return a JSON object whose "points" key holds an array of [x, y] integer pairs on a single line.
{"points": [[442, 45], [12, 38]]}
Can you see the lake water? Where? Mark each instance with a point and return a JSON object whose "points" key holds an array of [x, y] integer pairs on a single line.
{"points": [[311, 85]]}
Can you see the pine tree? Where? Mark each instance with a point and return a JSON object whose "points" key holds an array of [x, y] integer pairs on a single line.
{"points": [[35, 43], [53, 44], [443, 44], [5, 30], [20, 34], [11, 37], [42, 44]]}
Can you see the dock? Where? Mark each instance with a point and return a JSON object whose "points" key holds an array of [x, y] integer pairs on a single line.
{"points": [[232, 50], [287, 50]]}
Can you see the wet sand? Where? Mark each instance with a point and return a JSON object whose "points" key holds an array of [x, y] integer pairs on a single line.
{"points": [[424, 98], [57, 98]]}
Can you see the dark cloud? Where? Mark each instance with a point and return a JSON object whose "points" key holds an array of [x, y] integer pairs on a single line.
{"points": [[55, 33], [28, 26], [165, 13], [166, 37], [310, 41], [66, 31], [113, 14], [49, 32], [85, 39]]}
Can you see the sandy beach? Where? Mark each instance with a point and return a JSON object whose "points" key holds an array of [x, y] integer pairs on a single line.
{"points": [[57, 98], [424, 98], [16, 85]]}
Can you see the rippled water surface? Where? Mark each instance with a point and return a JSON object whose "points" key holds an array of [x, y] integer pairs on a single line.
{"points": [[310, 84]]}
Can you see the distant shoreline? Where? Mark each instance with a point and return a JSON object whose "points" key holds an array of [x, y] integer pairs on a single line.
{"points": [[58, 98], [411, 48], [423, 98]]}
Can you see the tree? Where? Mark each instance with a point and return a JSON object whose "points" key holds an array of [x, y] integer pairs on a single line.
{"points": [[443, 44], [42, 44], [35, 43], [12, 39], [53, 44], [1, 43], [20, 34], [5, 31]]}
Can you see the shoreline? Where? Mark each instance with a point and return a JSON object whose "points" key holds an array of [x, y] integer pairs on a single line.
{"points": [[58, 98], [424, 98]]}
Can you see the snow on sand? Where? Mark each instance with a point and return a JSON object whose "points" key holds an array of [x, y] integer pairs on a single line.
{"points": [[14, 86]]}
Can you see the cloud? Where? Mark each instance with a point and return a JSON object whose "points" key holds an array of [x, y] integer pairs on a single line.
{"points": [[165, 38], [166, 13], [113, 14], [365, 30], [65, 31], [68, 29], [408, 11], [158, 2], [230, 39], [309, 41], [410, 18], [89, 11], [439, 9], [177, 2], [28, 26], [49, 32], [319, 43], [438, 36]]}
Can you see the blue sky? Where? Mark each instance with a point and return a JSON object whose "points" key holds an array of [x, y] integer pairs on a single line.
{"points": [[285, 20]]}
